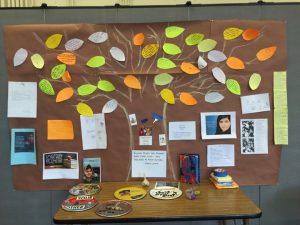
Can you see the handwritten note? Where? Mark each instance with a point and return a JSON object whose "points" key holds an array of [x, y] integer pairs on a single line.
{"points": [[184, 130], [220, 155], [60, 130], [255, 103], [148, 163]]}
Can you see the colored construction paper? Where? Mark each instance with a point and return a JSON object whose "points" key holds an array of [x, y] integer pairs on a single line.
{"points": [[171, 49], [117, 54], [37, 61], [110, 106], [164, 63], [46, 87], [96, 62], [20, 56], [86, 89], [216, 56], [232, 33], [266, 53], [168, 96], [235, 63], [173, 31], [67, 58], [201, 63], [53, 41], [105, 85], [163, 79], [189, 68], [187, 98], [64, 94], [281, 127], [58, 71], [73, 44], [254, 81], [22, 99], [280, 89], [60, 130], [219, 75], [149, 50], [156, 117], [250, 34], [213, 97], [132, 82], [138, 39], [98, 37], [84, 109], [194, 39], [67, 77], [207, 45], [233, 86]]}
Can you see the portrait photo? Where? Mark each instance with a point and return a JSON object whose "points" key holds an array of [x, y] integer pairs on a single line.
{"points": [[218, 125]]}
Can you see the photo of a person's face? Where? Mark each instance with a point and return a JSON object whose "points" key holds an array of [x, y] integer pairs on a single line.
{"points": [[88, 173], [224, 124]]}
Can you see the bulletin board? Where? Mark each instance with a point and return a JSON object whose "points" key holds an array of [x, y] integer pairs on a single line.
{"points": [[122, 138]]}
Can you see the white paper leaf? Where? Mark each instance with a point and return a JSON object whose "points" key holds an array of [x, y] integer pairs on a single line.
{"points": [[117, 54], [20, 56], [201, 63], [73, 44], [219, 75], [216, 56], [98, 37], [110, 106], [213, 97]]}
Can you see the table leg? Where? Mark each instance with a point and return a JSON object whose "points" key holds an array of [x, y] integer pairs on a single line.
{"points": [[222, 222], [246, 222]]}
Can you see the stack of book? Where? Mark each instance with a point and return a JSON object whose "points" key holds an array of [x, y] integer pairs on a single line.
{"points": [[221, 182]]}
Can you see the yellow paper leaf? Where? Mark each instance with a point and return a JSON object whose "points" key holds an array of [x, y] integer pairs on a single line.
{"points": [[67, 58], [64, 94], [232, 33], [266, 53], [235, 63], [207, 45], [53, 41], [254, 81], [37, 61], [132, 82], [84, 109], [168, 96], [189, 68], [187, 98], [150, 50]]}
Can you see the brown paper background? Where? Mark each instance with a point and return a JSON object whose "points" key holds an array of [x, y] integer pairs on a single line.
{"points": [[116, 159]]}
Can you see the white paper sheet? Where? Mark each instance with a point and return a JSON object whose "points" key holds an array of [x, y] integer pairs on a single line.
{"points": [[220, 155], [22, 99], [255, 103], [93, 132], [254, 136], [183, 130], [60, 165], [149, 163], [145, 140]]}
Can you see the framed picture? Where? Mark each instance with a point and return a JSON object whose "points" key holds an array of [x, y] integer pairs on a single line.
{"points": [[218, 125]]}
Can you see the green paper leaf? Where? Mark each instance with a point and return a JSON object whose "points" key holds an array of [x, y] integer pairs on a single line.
{"points": [[163, 79], [168, 96], [173, 31], [207, 45], [105, 85], [164, 63], [233, 86], [171, 49], [194, 39], [46, 87], [37, 61], [86, 89], [58, 71], [96, 62], [254, 81]]}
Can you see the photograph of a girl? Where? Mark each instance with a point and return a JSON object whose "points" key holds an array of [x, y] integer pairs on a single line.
{"points": [[218, 125]]}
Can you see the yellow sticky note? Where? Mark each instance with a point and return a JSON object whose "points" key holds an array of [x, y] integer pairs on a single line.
{"points": [[60, 130]]}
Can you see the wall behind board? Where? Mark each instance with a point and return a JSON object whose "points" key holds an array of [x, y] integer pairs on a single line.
{"points": [[280, 204]]}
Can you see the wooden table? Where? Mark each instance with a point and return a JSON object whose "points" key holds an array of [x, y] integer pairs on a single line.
{"points": [[211, 204]]}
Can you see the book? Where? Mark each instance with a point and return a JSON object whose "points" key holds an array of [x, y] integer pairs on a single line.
{"points": [[189, 168], [227, 178], [219, 186]]}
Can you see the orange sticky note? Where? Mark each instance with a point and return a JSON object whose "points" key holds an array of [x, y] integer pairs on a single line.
{"points": [[60, 130]]}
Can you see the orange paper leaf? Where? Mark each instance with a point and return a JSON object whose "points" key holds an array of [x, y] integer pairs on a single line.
{"points": [[67, 77], [60, 130], [138, 39], [266, 53], [235, 63], [132, 82], [67, 58], [250, 34], [64, 94], [189, 68], [187, 98]]}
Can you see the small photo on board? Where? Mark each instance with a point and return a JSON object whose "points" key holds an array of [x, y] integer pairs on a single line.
{"points": [[61, 160], [24, 141], [91, 170], [218, 125]]}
